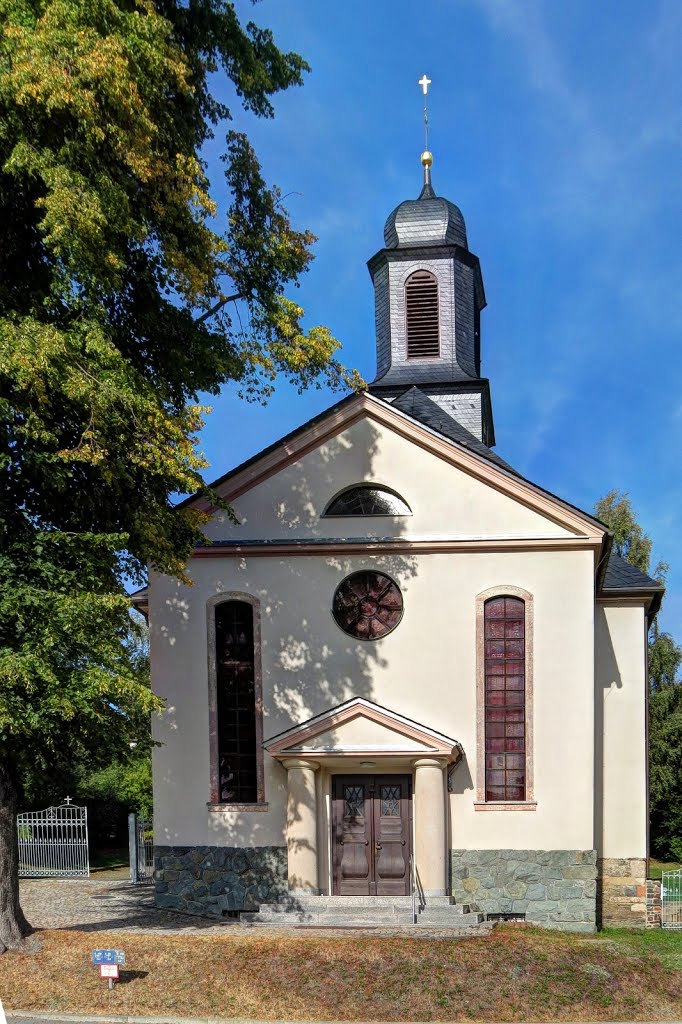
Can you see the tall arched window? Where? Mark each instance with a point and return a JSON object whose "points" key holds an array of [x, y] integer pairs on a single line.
{"points": [[421, 315], [237, 767], [505, 698]]}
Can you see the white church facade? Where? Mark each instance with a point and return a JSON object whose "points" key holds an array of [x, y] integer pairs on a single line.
{"points": [[404, 668]]}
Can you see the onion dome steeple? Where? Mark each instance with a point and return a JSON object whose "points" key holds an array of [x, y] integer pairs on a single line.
{"points": [[429, 296], [425, 220]]}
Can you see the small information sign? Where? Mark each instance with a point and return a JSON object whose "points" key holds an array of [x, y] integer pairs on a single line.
{"points": [[108, 971], [108, 956]]}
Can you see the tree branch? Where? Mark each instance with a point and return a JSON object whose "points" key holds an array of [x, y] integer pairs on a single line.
{"points": [[218, 306]]}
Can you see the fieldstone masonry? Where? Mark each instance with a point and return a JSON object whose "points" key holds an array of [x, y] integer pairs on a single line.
{"points": [[653, 904], [622, 892], [215, 880], [552, 888]]}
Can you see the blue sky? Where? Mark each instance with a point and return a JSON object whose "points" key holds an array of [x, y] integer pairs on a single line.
{"points": [[556, 127]]}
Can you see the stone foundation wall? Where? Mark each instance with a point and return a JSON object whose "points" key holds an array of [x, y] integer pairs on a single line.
{"points": [[552, 888], [216, 879], [653, 904], [621, 892]]}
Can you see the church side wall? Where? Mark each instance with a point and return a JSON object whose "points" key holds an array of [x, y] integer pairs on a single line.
{"points": [[620, 768]]}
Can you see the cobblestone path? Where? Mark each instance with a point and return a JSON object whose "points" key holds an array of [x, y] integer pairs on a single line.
{"points": [[103, 905], [108, 905]]}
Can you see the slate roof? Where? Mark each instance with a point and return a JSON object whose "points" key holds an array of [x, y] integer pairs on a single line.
{"points": [[419, 406], [620, 575], [429, 220]]}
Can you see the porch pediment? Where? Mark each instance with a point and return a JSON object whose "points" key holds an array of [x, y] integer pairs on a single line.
{"points": [[361, 728]]}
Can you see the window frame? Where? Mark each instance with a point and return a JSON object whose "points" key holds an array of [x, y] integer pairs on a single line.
{"points": [[480, 803], [215, 803], [365, 485]]}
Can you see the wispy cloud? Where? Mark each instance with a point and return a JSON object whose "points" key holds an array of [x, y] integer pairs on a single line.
{"points": [[596, 157]]}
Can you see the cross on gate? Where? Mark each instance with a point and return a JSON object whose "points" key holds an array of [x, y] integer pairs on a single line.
{"points": [[67, 800]]}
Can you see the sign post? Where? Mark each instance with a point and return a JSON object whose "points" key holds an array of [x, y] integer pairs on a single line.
{"points": [[109, 961]]}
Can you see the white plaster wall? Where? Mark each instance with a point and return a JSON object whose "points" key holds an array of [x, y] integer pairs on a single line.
{"points": [[445, 501], [425, 670], [620, 710]]}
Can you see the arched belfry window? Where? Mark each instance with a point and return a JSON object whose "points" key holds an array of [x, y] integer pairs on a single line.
{"points": [[235, 702], [367, 500], [421, 315]]}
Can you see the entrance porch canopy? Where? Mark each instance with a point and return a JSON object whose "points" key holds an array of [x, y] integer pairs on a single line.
{"points": [[349, 737], [359, 729]]}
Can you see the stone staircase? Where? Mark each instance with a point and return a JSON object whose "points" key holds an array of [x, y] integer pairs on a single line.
{"points": [[390, 912]]}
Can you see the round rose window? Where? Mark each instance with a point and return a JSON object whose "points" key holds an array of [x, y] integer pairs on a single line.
{"points": [[367, 605]]}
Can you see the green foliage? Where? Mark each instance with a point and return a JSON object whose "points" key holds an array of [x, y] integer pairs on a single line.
{"points": [[120, 279], [129, 784], [665, 686], [629, 540], [665, 770]]}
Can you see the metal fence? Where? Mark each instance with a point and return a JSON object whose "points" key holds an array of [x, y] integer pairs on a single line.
{"points": [[141, 847], [54, 843], [671, 899]]}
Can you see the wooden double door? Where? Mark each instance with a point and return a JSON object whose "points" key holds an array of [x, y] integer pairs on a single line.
{"points": [[371, 834]]}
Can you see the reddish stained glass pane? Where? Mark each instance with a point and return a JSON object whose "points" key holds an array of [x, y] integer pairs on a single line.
{"points": [[505, 682], [494, 608], [367, 605], [514, 608]]}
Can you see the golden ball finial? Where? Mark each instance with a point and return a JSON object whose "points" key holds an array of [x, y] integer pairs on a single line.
{"points": [[427, 158]]}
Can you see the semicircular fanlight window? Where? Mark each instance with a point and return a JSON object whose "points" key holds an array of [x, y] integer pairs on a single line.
{"points": [[367, 500], [367, 605]]}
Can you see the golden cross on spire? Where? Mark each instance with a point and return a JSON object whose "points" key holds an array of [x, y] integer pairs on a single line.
{"points": [[426, 157]]}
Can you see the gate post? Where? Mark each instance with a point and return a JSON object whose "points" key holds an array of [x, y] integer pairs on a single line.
{"points": [[132, 847]]}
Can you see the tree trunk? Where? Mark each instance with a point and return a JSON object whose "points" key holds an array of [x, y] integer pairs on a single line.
{"points": [[13, 925]]}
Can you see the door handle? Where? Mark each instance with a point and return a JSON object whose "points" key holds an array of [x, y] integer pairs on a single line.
{"points": [[378, 846]]}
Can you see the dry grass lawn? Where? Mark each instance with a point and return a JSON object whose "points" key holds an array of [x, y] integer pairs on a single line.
{"points": [[513, 974]]}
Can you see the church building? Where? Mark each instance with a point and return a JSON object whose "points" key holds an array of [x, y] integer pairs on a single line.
{"points": [[408, 684]]}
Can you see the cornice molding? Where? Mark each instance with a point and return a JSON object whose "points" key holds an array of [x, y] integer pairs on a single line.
{"points": [[399, 546]]}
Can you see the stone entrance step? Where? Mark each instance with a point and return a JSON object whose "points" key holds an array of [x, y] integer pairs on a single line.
{"points": [[363, 912]]}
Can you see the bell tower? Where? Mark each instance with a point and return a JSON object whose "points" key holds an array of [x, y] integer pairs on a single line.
{"points": [[428, 293]]}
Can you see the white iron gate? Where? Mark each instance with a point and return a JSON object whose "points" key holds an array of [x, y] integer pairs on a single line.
{"points": [[54, 842], [671, 899], [141, 848]]}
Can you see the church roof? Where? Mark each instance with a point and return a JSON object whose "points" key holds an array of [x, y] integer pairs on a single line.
{"points": [[623, 579], [419, 406], [620, 575], [428, 220]]}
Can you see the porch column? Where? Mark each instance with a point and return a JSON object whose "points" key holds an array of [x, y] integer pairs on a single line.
{"points": [[430, 819], [302, 826]]}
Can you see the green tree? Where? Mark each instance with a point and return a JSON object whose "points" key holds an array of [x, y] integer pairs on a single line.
{"points": [[665, 688], [125, 291]]}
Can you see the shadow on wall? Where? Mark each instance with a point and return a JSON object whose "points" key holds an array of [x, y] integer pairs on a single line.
{"points": [[607, 678], [309, 663]]}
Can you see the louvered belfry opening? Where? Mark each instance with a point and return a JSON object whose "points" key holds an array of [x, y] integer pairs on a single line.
{"points": [[421, 305]]}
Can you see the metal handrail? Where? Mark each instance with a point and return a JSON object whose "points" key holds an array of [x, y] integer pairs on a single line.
{"points": [[413, 881]]}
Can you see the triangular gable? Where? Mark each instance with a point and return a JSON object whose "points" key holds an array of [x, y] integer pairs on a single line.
{"points": [[341, 416], [361, 727]]}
